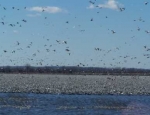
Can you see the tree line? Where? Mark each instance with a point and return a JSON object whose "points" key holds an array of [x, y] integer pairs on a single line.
{"points": [[73, 70]]}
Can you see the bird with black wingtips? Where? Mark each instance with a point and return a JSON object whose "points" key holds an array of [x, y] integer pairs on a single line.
{"points": [[3, 23], [65, 42], [146, 3], [92, 2], [147, 31], [138, 29], [67, 50], [24, 20], [11, 25], [113, 31], [5, 51]]}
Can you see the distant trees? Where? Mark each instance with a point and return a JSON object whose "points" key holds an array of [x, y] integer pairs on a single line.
{"points": [[28, 68], [7, 69], [73, 70]]}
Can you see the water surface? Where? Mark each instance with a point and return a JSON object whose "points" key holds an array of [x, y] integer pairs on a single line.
{"points": [[46, 104]]}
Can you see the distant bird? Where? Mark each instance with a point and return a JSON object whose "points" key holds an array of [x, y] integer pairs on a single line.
{"points": [[113, 31], [40, 63], [148, 49], [18, 43], [28, 46], [43, 10], [3, 23], [24, 20], [91, 19], [58, 41], [67, 22], [47, 50], [121, 9], [5, 51], [97, 49], [13, 51], [117, 48], [11, 25], [65, 42], [146, 3], [147, 31], [67, 50], [92, 2], [4, 8], [82, 30], [138, 29], [34, 54]]}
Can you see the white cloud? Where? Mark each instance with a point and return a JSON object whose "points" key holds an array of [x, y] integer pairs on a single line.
{"points": [[91, 6], [111, 4], [48, 9]]}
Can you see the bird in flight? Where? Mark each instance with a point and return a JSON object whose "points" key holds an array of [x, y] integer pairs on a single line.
{"points": [[147, 31], [67, 50], [3, 23], [113, 31], [138, 29], [18, 43], [92, 2], [11, 25], [4, 8], [24, 20], [146, 3], [5, 51]]}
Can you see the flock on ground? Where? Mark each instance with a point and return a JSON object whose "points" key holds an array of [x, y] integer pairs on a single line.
{"points": [[49, 47]]}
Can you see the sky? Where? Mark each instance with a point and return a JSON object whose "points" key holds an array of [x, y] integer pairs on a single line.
{"points": [[96, 33]]}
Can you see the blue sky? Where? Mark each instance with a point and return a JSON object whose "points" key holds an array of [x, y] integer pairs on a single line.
{"points": [[46, 23]]}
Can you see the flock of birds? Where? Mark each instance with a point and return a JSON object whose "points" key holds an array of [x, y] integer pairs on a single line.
{"points": [[50, 48]]}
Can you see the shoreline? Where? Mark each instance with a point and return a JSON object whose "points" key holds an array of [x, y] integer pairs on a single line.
{"points": [[75, 84]]}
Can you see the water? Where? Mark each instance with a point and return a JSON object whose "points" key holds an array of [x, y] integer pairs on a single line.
{"points": [[47, 104]]}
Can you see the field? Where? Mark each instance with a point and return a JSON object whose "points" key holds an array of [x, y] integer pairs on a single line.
{"points": [[75, 84]]}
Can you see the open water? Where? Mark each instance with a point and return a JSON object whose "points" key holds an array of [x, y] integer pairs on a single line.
{"points": [[47, 104]]}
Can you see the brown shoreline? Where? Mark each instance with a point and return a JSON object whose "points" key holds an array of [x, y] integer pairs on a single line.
{"points": [[75, 84]]}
